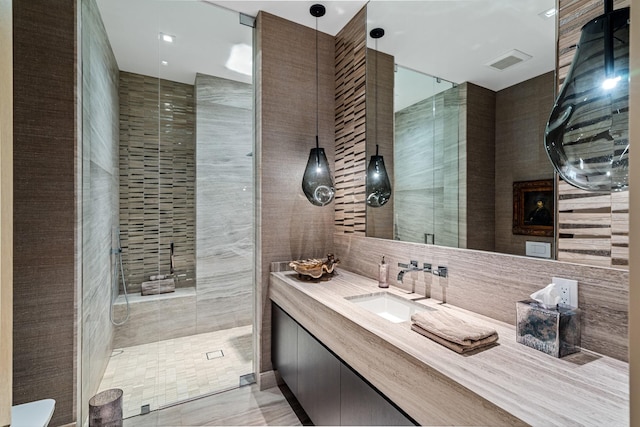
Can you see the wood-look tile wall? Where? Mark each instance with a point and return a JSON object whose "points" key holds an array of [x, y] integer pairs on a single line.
{"points": [[593, 228], [477, 142], [45, 214], [522, 112], [157, 178], [6, 210], [288, 226], [100, 132], [491, 283], [350, 125]]}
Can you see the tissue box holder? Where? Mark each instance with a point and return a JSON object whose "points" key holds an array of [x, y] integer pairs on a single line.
{"points": [[555, 332]]}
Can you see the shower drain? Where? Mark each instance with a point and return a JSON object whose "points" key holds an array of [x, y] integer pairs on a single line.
{"points": [[215, 354]]}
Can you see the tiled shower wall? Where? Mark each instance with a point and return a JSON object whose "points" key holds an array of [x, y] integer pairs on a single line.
{"points": [[99, 195], [426, 187], [157, 178], [224, 212]]}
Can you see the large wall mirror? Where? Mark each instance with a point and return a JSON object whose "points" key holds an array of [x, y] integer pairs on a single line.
{"points": [[458, 94]]}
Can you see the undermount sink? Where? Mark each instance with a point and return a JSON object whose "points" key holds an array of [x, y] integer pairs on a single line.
{"points": [[389, 306]]}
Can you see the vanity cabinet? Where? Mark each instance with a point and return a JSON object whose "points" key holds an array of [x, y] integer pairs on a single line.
{"points": [[284, 347], [318, 381], [330, 392], [363, 405]]}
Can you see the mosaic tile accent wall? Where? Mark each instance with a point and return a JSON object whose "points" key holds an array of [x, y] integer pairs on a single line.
{"points": [[350, 124], [593, 227], [157, 178]]}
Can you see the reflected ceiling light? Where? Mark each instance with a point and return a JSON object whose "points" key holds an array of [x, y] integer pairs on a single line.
{"points": [[611, 82], [167, 38], [240, 59], [165, 63], [587, 135], [548, 13], [378, 188], [317, 184]]}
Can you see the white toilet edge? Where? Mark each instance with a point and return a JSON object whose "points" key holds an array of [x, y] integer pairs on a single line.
{"points": [[33, 414]]}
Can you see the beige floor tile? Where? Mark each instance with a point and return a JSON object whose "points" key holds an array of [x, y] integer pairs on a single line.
{"points": [[178, 369], [240, 407]]}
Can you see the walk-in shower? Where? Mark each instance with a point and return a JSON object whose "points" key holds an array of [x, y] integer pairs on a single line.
{"points": [[167, 190]]}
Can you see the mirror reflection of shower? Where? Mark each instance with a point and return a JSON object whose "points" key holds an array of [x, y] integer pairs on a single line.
{"points": [[117, 274], [425, 153]]}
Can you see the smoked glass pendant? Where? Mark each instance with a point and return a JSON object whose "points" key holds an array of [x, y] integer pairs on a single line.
{"points": [[587, 136], [317, 184], [378, 184]]}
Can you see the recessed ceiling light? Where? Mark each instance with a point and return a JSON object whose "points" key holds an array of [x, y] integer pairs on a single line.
{"points": [[548, 13], [240, 59], [165, 63], [167, 37]]}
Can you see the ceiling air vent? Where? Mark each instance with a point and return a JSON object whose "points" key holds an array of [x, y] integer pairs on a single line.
{"points": [[508, 59]]}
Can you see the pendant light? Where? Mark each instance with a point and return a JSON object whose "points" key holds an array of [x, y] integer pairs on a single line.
{"points": [[317, 184], [587, 136], [378, 185]]}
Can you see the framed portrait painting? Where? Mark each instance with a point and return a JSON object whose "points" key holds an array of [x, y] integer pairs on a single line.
{"points": [[533, 208]]}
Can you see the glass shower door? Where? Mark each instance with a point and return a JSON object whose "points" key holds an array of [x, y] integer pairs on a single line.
{"points": [[177, 187]]}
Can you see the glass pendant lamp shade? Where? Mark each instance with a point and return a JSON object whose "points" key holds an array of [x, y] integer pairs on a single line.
{"points": [[317, 184], [587, 136], [378, 188], [378, 184]]}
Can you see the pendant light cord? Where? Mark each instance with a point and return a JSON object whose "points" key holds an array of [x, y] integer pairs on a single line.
{"points": [[317, 100], [375, 118], [376, 33]]}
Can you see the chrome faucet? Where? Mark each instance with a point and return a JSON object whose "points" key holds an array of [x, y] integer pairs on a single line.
{"points": [[412, 266], [441, 271]]}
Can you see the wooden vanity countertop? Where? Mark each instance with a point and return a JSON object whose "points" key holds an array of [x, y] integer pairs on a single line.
{"points": [[508, 384]]}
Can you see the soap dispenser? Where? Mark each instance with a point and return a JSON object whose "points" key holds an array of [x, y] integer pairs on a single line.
{"points": [[383, 274]]}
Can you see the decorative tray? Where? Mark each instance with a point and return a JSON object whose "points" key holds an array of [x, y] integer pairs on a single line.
{"points": [[315, 268]]}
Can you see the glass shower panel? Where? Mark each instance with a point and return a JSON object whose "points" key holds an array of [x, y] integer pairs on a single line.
{"points": [[167, 167], [99, 201], [426, 159]]}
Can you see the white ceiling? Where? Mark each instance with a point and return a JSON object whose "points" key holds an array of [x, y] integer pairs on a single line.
{"points": [[454, 40], [451, 39]]}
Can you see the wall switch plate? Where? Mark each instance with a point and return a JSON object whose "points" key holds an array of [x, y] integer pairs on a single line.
{"points": [[538, 249], [568, 291]]}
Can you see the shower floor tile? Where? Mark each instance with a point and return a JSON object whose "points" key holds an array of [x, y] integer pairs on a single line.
{"points": [[169, 371]]}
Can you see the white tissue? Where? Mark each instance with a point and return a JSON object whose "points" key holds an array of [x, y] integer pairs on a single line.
{"points": [[549, 296]]}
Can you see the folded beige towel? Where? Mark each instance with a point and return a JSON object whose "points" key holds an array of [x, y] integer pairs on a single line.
{"points": [[475, 345], [452, 328]]}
